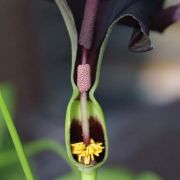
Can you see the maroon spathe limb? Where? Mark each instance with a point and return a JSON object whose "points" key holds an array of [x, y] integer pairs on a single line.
{"points": [[88, 23], [165, 17]]}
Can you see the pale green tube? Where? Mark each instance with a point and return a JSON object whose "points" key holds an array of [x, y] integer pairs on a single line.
{"points": [[88, 175]]}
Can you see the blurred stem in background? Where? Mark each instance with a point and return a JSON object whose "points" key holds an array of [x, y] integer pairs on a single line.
{"points": [[32, 148], [15, 138]]}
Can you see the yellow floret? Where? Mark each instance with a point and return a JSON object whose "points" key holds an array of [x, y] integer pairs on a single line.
{"points": [[86, 153]]}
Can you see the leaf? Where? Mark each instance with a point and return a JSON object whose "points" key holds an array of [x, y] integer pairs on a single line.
{"points": [[15, 138], [13, 171], [9, 95]]}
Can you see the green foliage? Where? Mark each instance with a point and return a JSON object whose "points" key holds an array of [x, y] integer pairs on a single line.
{"points": [[9, 96], [14, 170]]}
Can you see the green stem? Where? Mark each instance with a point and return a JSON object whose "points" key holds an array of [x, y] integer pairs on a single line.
{"points": [[88, 175], [8, 157], [16, 140]]}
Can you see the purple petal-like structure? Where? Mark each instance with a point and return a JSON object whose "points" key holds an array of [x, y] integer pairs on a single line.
{"points": [[142, 15], [165, 17]]}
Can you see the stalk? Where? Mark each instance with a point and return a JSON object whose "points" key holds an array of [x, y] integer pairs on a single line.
{"points": [[84, 118], [83, 105], [88, 175], [16, 140]]}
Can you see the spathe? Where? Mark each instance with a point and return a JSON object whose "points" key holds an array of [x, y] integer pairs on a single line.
{"points": [[142, 15]]}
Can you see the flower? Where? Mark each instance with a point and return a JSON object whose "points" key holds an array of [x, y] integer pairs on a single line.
{"points": [[86, 153], [89, 27]]}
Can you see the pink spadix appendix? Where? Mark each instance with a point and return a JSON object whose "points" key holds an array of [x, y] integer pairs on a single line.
{"points": [[83, 77]]}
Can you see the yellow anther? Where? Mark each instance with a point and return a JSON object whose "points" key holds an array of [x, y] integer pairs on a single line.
{"points": [[78, 148], [86, 153]]}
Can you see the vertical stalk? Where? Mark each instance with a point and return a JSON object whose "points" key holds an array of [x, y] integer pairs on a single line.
{"points": [[88, 175], [84, 118], [83, 105], [16, 140], [84, 55]]}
